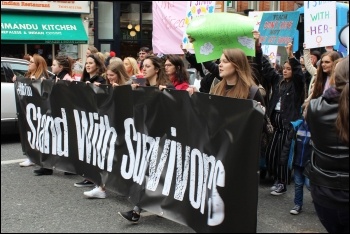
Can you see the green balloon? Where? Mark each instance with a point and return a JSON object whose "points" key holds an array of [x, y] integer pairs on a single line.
{"points": [[218, 31]]}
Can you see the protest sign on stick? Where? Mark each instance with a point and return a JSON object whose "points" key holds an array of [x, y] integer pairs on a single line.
{"points": [[278, 28]]}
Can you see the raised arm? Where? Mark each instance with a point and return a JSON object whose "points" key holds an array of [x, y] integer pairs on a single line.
{"points": [[298, 76], [308, 64]]}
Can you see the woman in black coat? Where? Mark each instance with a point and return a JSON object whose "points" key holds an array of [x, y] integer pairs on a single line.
{"points": [[284, 106], [328, 170]]}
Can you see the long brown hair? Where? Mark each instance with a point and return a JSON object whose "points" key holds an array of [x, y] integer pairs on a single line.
{"points": [[66, 62], [321, 76], [158, 63], [118, 68], [244, 73], [101, 68], [342, 85], [181, 74], [41, 68]]}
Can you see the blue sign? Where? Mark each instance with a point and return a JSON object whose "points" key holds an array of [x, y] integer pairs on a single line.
{"points": [[278, 28]]}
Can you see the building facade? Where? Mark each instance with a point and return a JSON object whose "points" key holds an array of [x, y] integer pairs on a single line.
{"points": [[124, 27], [46, 28], [120, 26]]}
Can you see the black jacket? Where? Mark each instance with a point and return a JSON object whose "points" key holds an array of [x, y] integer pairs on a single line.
{"points": [[191, 58], [329, 165], [292, 93], [95, 78]]}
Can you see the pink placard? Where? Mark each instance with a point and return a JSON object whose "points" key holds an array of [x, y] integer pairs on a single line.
{"points": [[168, 26]]}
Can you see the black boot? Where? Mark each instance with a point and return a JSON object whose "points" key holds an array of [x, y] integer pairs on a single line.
{"points": [[43, 171]]}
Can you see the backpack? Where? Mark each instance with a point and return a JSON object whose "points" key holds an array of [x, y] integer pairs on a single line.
{"points": [[300, 149]]}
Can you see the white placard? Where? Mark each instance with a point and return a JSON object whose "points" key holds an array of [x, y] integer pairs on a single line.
{"points": [[320, 23]]}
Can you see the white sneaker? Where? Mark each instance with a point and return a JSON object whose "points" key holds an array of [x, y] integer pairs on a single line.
{"points": [[27, 163], [97, 192]]}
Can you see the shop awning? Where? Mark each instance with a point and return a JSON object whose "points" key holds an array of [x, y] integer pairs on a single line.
{"points": [[38, 28]]}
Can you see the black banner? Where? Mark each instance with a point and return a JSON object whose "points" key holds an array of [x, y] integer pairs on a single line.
{"points": [[193, 160]]}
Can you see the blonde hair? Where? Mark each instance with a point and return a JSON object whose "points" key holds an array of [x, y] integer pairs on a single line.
{"points": [[135, 68], [107, 54], [101, 56], [93, 49], [115, 59]]}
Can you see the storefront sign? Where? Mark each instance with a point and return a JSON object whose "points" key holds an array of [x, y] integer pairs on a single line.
{"points": [[27, 28], [57, 6]]}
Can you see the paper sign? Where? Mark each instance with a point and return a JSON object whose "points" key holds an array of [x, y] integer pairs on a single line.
{"points": [[278, 28], [320, 23], [218, 31], [168, 26], [269, 50], [194, 9]]}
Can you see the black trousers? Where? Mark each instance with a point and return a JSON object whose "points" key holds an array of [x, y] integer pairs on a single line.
{"points": [[274, 150]]}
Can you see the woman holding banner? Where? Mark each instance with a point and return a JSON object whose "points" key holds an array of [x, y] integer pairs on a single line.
{"points": [[237, 77], [175, 70], [37, 69], [153, 70], [116, 75], [94, 68]]}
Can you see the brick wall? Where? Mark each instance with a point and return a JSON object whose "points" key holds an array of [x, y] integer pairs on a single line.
{"points": [[265, 5], [242, 5], [287, 6]]}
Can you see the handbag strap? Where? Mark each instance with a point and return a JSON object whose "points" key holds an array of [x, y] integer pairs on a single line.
{"points": [[252, 91]]}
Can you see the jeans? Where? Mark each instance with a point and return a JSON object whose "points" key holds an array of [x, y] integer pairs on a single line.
{"points": [[300, 180], [334, 220]]}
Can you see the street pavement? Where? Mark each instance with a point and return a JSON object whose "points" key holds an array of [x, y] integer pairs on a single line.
{"points": [[43, 204]]}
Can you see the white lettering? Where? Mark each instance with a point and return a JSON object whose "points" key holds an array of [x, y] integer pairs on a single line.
{"points": [[47, 137]]}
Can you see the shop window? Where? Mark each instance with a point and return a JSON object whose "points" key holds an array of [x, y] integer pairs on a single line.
{"points": [[254, 5], [135, 27], [274, 6], [105, 20], [231, 6], [130, 20]]}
